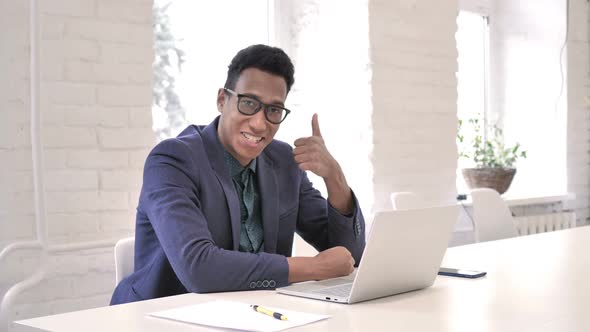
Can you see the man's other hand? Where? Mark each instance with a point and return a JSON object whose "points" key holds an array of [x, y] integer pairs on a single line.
{"points": [[332, 263]]}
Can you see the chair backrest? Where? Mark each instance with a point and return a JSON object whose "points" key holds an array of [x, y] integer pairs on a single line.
{"points": [[405, 200], [491, 216], [124, 256]]}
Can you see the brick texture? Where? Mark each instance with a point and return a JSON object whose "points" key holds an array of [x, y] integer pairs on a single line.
{"points": [[96, 72], [578, 119], [413, 56]]}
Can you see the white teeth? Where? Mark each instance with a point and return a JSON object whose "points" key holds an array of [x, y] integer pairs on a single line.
{"points": [[252, 138]]}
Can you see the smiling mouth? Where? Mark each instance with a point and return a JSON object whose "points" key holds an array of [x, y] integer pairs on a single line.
{"points": [[252, 138]]}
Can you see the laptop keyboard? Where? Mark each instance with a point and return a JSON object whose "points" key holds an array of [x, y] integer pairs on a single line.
{"points": [[341, 290]]}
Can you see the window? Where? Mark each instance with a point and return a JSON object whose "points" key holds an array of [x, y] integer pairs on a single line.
{"points": [[472, 77], [210, 33], [524, 87]]}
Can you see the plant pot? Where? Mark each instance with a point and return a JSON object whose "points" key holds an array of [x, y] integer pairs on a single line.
{"points": [[498, 179]]}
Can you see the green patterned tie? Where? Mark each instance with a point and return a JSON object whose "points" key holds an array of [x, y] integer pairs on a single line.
{"points": [[251, 234]]}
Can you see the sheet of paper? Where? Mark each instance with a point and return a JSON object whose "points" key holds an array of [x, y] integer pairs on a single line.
{"points": [[237, 315]]}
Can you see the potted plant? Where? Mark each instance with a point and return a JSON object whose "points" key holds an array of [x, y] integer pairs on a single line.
{"points": [[494, 161]]}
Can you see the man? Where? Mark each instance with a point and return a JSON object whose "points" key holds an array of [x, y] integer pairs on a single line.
{"points": [[220, 203]]}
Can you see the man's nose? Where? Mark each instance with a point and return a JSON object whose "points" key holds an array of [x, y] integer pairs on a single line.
{"points": [[258, 120]]}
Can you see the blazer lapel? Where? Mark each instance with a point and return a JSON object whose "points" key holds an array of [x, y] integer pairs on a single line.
{"points": [[267, 185], [215, 153]]}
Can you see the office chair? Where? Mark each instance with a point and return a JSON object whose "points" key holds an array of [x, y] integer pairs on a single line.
{"points": [[492, 218], [124, 256], [405, 200]]}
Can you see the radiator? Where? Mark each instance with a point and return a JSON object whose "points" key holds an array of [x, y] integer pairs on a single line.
{"points": [[545, 222]]}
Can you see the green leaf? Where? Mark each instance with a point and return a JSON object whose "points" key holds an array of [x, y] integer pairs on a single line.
{"points": [[489, 152]]}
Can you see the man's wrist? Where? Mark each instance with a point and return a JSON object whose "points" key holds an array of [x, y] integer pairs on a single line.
{"points": [[301, 269], [339, 193], [335, 175]]}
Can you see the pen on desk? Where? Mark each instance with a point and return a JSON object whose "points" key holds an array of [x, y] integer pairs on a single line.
{"points": [[268, 312]]}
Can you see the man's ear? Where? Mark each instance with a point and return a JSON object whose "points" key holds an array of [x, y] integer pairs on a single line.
{"points": [[220, 100]]}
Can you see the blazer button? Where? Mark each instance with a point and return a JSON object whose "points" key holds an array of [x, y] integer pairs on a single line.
{"points": [[259, 283], [253, 284], [272, 283], [265, 283]]}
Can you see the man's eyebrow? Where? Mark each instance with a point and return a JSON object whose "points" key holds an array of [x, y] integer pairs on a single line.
{"points": [[276, 103]]}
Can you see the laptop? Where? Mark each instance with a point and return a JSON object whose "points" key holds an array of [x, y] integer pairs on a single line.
{"points": [[403, 253]]}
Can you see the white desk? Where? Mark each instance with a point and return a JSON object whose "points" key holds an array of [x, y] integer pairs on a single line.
{"points": [[535, 283]]}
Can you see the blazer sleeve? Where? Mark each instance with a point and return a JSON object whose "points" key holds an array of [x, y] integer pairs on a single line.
{"points": [[171, 200], [324, 227]]}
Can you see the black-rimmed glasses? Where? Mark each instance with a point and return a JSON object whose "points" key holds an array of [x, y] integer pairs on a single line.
{"points": [[249, 105]]}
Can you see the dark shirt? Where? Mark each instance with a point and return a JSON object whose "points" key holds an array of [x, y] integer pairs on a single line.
{"points": [[244, 179]]}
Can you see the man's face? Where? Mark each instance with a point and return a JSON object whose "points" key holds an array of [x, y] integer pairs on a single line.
{"points": [[243, 136]]}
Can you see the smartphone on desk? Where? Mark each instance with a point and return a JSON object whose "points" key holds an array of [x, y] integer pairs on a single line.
{"points": [[444, 271]]}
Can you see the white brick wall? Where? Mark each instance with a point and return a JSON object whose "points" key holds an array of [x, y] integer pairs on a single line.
{"points": [[74, 281], [578, 120], [414, 60], [96, 132]]}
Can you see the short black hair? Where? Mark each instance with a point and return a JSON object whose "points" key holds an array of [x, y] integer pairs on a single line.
{"points": [[270, 59]]}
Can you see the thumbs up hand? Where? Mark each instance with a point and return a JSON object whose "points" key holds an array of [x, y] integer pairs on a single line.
{"points": [[312, 155]]}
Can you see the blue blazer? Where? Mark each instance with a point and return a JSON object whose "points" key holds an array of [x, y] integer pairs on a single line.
{"points": [[188, 221]]}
